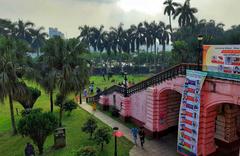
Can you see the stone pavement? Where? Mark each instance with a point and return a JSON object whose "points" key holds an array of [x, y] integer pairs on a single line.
{"points": [[166, 146]]}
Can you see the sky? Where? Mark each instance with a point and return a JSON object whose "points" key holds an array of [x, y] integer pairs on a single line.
{"points": [[68, 15]]}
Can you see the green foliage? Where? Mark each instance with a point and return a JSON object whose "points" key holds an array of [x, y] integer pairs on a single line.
{"points": [[29, 98], [69, 106], [86, 151], [102, 135], [59, 100], [26, 112], [180, 51], [90, 126], [38, 126]]}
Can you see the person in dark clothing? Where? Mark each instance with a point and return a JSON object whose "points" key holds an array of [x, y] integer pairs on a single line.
{"points": [[98, 90], [141, 134], [29, 150]]}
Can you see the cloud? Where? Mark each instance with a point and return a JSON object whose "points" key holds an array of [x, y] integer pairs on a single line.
{"points": [[98, 1], [67, 15]]}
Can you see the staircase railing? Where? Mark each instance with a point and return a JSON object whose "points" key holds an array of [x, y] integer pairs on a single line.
{"points": [[154, 80]]}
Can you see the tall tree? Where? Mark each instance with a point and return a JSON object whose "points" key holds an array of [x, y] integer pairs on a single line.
{"points": [[23, 30], [185, 14], [170, 10], [9, 81], [85, 34], [38, 38], [165, 35], [65, 57]]}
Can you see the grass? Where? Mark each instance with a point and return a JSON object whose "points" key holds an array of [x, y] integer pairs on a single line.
{"points": [[14, 145], [99, 81]]}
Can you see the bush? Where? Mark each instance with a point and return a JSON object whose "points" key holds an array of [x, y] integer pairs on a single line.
{"points": [[70, 105], [86, 151], [26, 112], [102, 135], [38, 126], [90, 126]]}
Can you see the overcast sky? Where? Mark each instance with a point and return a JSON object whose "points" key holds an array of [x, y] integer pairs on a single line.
{"points": [[67, 15]]}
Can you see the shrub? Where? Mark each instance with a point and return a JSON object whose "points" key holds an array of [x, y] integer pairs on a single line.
{"points": [[86, 151], [69, 106], [38, 126], [102, 135], [90, 126]]}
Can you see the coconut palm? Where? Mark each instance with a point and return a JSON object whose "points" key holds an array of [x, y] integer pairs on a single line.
{"points": [[170, 10], [23, 30], [7, 28], [165, 34], [9, 82], [185, 14], [118, 34], [148, 35], [64, 59], [38, 38], [85, 35]]}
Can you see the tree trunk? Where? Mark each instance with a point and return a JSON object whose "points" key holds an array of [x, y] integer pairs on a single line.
{"points": [[38, 51], [51, 100], [170, 23], [12, 114], [91, 135], [80, 97], [60, 116], [120, 62], [101, 146], [40, 148]]}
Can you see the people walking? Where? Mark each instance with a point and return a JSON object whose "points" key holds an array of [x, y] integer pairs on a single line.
{"points": [[141, 134], [29, 150], [134, 132], [85, 93]]}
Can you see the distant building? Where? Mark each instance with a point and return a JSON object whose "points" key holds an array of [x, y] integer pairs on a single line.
{"points": [[55, 32]]}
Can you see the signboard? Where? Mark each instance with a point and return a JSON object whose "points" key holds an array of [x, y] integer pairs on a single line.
{"points": [[188, 124], [221, 58]]}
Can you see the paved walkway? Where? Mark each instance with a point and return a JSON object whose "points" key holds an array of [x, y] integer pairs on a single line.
{"points": [[166, 146]]}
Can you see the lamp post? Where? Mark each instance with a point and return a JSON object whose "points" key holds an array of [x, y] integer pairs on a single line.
{"points": [[125, 84], [200, 39], [116, 134]]}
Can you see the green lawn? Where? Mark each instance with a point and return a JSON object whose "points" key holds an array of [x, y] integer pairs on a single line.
{"points": [[14, 145], [99, 81]]}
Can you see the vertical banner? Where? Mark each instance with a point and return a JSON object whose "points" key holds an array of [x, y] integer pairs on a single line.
{"points": [[189, 113]]}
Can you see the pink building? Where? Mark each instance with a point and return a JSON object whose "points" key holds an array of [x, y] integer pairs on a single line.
{"points": [[155, 103]]}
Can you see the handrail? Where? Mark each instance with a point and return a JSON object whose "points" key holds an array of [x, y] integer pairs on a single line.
{"points": [[156, 79]]}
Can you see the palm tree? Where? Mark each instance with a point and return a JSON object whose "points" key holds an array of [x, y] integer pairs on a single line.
{"points": [[85, 35], [64, 59], [118, 34], [185, 14], [47, 79], [165, 35], [38, 38], [170, 10], [6, 27], [9, 82], [148, 35], [23, 30]]}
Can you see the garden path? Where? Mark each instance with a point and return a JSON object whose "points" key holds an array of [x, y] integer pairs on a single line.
{"points": [[166, 146]]}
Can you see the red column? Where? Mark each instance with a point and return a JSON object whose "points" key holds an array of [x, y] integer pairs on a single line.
{"points": [[152, 110], [207, 131], [126, 107]]}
